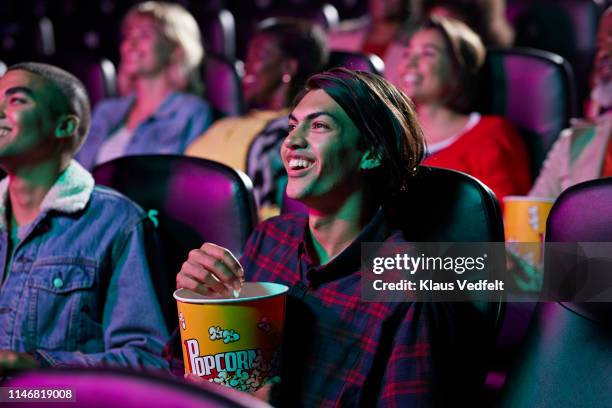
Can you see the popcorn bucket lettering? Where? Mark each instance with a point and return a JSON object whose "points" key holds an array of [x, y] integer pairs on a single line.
{"points": [[525, 222], [233, 341]]}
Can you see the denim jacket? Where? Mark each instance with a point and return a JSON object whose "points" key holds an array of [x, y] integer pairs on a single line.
{"points": [[177, 122], [78, 289]]}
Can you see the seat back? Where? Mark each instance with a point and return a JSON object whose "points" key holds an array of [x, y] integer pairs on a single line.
{"points": [[569, 344], [565, 27], [535, 91], [356, 61], [218, 33], [451, 207], [325, 15], [192, 200], [26, 39], [101, 388], [222, 81], [97, 74]]}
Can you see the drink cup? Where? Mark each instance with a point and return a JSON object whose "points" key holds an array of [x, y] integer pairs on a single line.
{"points": [[525, 226]]}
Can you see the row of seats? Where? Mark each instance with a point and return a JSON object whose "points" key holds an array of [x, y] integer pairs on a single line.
{"points": [[196, 200]]}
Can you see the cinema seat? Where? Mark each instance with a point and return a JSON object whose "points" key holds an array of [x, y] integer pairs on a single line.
{"points": [[533, 89], [356, 61], [103, 388], [191, 200], [567, 358], [223, 86]]}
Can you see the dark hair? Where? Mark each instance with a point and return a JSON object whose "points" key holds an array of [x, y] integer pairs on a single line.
{"points": [[299, 39], [486, 17], [75, 99], [467, 55], [384, 115]]}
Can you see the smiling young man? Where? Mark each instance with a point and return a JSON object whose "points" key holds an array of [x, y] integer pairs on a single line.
{"points": [[353, 139], [75, 285]]}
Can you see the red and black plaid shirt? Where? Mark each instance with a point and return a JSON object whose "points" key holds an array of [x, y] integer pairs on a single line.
{"points": [[339, 350]]}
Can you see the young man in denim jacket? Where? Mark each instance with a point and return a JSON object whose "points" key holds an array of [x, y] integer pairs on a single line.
{"points": [[75, 284]]}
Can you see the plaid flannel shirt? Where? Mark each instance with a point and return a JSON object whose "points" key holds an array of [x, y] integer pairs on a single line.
{"points": [[339, 350]]}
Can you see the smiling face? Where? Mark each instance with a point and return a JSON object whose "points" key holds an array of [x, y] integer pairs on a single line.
{"points": [[426, 68], [26, 121], [321, 153], [144, 50]]}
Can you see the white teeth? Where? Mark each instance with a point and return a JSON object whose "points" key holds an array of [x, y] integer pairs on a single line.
{"points": [[4, 132], [299, 163], [409, 78]]}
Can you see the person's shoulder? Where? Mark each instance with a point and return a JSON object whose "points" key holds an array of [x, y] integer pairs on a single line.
{"points": [[291, 224], [495, 122], [116, 203], [187, 100], [112, 105], [495, 128]]}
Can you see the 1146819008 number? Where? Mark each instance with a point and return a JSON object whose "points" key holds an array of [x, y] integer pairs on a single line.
{"points": [[19, 394]]}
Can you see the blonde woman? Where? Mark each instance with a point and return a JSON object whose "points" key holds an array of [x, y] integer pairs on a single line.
{"points": [[160, 110]]}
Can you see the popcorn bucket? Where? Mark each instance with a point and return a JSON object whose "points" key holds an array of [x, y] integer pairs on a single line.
{"points": [[525, 222], [233, 341]]}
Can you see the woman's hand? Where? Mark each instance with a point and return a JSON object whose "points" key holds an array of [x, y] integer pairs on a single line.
{"points": [[211, 270]]}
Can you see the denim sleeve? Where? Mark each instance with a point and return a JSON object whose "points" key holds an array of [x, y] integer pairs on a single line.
{"points": [[134, 331]]}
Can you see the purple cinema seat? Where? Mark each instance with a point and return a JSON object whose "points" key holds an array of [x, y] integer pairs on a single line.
{"points": [[223, 85], [218, 32], [534, 90], [191, 200], [357, 61], [104, 388], [97, 74], [567, 359]]}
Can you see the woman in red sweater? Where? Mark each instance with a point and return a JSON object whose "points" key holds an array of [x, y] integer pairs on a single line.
{"points": [[439, 74]]}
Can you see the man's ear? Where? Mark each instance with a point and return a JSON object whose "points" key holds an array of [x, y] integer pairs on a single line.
{"points": [[370, 160], [67, 126]]}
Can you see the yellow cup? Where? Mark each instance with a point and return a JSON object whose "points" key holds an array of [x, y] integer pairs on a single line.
{"points": [[233, 341], [525, 222]]}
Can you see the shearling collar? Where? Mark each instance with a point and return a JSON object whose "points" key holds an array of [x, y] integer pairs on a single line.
{"points": [[69, 194]]}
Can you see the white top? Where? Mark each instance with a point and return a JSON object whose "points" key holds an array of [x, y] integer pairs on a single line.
{"points": [[115, 146], [473, 120]]}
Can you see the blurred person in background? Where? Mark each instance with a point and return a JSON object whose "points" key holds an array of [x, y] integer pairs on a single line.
{"points": [[583, 151], [160, 112], [439, 73], [281, 55], [486, 17]]}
